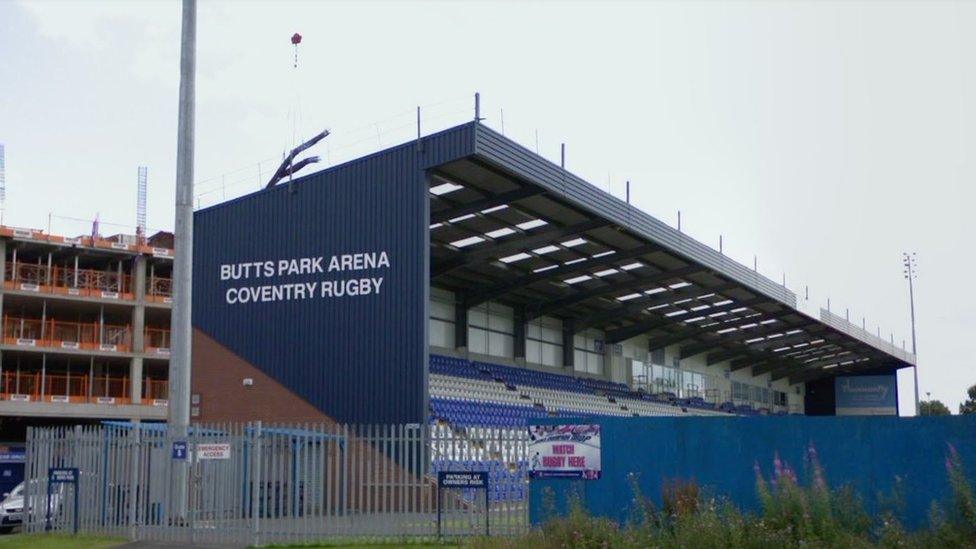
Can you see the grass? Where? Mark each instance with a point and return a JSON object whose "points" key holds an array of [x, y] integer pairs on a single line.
{"points": [[374, 545], [58, 541]]}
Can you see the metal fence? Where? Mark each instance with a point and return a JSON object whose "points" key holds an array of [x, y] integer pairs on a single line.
{"points": [[257, 484]]}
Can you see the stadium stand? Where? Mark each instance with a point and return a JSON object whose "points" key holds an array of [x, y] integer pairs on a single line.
{"points": [[468, 393]]}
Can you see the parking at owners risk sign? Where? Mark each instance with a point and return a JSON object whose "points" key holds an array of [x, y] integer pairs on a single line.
{"points": [[564, 451]]}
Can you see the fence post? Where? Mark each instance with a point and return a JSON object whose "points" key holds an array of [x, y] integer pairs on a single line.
{"points": [[256, 491], [133, 478]]}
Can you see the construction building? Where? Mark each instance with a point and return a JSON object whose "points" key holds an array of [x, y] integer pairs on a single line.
{"points": [[85, 328]]}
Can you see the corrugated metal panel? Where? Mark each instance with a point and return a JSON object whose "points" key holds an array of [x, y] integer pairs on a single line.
{"points": [[858, 333], [507, 154], [358, 359]]}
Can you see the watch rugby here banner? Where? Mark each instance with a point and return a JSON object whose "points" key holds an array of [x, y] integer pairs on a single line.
{"points": [[564, 451]]}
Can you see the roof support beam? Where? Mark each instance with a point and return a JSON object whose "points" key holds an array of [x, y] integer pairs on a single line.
{"points": [[745, 333], [764, 360], [722, 356], [569, 349], [640, 304], [792, 360], [677, 337], [809, 374], [784, 371], [553, 305], [660, 321], [503, 199], [507, 245], [460, 326], [498, 290]]}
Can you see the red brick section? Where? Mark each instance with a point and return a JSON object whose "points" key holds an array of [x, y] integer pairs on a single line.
{"points": [[218, 377]]}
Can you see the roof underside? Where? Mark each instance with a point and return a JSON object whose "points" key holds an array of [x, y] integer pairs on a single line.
{"points": [[511, 227]]}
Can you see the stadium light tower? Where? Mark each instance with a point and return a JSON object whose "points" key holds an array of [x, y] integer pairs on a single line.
{"points": [[908, 261]]}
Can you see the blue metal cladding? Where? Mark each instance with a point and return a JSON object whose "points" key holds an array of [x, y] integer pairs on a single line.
{"points": [[356, 358]]}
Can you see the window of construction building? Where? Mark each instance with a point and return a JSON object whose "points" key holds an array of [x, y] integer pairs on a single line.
{"points": [[441, 325], [491, 330], [543, 341]]}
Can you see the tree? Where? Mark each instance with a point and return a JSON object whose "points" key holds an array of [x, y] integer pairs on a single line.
{"points": [[969, 407], [933, 408]]}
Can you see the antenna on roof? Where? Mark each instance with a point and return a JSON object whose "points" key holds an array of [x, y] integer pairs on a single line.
{"points": [[141, 205]]}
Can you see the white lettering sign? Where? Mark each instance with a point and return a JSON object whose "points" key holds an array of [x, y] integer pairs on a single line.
{"points": [[213, 451], [270, 271]]}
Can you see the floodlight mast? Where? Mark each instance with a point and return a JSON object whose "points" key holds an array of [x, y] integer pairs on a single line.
{"points": [[179, 367], [908, 260]]}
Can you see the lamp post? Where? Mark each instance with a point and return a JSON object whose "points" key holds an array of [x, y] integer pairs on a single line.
{"points": [[910, 272], [179, 366]]}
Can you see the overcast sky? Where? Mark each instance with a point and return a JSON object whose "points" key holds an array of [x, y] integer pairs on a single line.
{"points": [[823, 138]]}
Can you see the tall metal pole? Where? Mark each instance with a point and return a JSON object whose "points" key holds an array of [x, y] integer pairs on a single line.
{"points": [[179, 366], [909, 262]]}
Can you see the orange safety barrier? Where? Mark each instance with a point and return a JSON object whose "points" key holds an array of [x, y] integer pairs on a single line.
{"points": [[64, 388], [68, 281], [156, 389], [20, 386], [157, 341], [160, 290], [66, 335], [110, 390], [21, 331], [40, 235], [38, 387]]}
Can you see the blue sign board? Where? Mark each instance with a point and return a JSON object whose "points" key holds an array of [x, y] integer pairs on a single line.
{"points": [[476, 480], [866, 395], [13, 454], [179, 449], [61, 475]]}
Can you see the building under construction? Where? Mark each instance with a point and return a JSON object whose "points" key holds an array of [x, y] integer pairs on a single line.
{"points": [[85, 328]]}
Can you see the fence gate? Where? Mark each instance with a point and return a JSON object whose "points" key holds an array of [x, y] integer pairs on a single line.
{"points": [[257, 484]]}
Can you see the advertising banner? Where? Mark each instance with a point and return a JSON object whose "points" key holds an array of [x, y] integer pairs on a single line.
{"points": [[564, 451], [866, 395]]}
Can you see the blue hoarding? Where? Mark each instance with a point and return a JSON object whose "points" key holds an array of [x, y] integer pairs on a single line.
{"points": [[866, 395], [875, 456]]}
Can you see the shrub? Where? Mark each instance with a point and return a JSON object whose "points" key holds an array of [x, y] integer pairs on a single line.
{"points": [[793, 513]]}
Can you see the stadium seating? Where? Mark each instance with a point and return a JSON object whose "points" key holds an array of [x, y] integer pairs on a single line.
{"points": [[480, 394]]}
